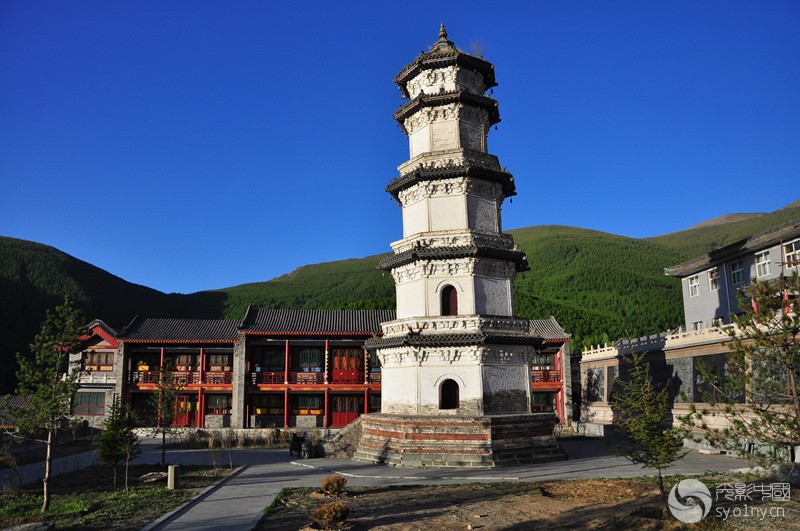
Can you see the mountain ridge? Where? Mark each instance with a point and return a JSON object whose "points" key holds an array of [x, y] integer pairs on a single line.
{"points": [[600, 286]]}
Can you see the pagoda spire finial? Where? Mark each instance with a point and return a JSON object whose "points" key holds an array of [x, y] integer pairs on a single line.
{"points": [[442, 45]]}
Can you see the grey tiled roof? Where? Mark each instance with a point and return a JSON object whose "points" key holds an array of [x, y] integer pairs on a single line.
{"points": [[456, 170], [181, 330], [787, 231], [453, 340], [445, 98], [263, 321], [549, 330], [8, 404]]}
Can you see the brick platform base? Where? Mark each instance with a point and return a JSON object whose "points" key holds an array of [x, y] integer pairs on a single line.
{"points": [[485, 441]]}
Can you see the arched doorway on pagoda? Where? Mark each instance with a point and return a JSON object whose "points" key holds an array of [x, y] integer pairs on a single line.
{"points": [[449, 394], [449, 300]]}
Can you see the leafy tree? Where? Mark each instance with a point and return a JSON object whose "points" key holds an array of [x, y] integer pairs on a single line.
{"points": [[757, 393], [118, 442], [164, 402], [45, 383], [642, 417]]}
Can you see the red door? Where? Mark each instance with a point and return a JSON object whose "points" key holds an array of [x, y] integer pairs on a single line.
{"points": [[185, 407], [348, 365], [345, 409]]}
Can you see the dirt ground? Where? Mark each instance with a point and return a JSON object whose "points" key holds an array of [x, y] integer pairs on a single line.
{"points": [[585, 504]]}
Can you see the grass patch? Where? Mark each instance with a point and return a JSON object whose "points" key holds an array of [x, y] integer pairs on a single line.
{"points": [[85, 499]]}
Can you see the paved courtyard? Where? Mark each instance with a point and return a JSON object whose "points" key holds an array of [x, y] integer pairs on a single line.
{"points": [[239, 502]]}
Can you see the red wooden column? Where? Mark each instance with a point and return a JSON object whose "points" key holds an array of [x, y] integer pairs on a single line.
{"points": [[286, 405], [325, 410], [202, 364], [161, 367], [366, 400], [198, 416], [286, 365]]}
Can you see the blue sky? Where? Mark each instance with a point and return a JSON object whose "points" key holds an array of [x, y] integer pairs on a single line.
{"points": [[198, 145]]}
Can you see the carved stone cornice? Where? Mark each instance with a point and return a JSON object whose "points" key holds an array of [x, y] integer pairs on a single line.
{"points": [[424, 101], [427, 116], [451, 340], [453, 268], [503, 178], [429, 240], [449, 253], [442, 59], [457, 323], [448, 187], [450, 158]]}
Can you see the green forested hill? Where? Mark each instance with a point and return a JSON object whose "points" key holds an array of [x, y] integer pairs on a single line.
{"points": [[35, 277], [599, 286], [700, 240], [355, 284]]}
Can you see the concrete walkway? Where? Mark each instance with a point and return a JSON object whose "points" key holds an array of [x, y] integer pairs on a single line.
{"points": [[239, 502]]}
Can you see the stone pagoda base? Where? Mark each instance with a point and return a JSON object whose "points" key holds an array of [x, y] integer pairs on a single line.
{"points": [[458, 441]]}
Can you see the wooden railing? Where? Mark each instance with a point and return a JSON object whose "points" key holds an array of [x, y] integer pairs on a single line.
{"points": [[184, 377], [97, 378], [268, 377], [538, 376], [306, 377], [225, 377]]}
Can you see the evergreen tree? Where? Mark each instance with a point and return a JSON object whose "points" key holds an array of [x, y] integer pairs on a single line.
{"points": [[45, 383], [117, 442], [642, 417], [757, 392]]}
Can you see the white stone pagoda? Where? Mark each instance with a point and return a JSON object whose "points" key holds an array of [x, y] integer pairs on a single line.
{"points": [[456, 362]]}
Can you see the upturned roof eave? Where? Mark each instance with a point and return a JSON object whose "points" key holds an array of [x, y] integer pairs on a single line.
{"points": [[519, 258], [457, 96], [505, 179], [431, 60]]}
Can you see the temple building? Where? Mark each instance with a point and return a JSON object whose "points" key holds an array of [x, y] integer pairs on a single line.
{"points": [[300, 369], [456, 388], [283, 368]]}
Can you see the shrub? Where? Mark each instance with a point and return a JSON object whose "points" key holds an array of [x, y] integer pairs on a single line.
{"points": [[330, 515], [334, 485]]}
